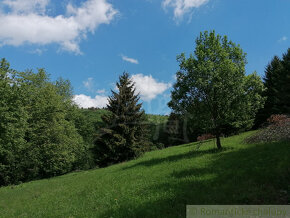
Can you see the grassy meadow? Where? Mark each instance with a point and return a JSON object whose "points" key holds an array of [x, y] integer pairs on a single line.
{"points": [[160, 183]]}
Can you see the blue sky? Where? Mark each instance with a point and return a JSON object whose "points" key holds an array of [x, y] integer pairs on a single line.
{"points": [[91, 42]]}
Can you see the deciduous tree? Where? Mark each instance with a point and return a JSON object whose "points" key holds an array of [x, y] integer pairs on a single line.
{"points": [[212, 86]]}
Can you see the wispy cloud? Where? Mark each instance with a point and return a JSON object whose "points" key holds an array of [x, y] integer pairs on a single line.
{"points": [[101, 91], [283, 39], [182, 7], [89, 83], [37, 51], [130, 60], [27, 21]]}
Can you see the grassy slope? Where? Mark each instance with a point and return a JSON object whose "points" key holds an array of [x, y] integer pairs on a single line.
{"points": [[97, 114], [160, 184], [156, 119]]}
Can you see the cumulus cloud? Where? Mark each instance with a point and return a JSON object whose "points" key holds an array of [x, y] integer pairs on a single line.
{"points": [[131, 60], [148, 87], [27, 21], [181, 7], [85, 101]]}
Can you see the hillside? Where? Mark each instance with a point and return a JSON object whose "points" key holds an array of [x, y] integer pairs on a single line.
{"points": [[98, 113], [160, 183]]}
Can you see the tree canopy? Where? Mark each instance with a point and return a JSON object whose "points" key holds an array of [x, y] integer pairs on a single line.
{"points": [[38, 134], [212, 87]]}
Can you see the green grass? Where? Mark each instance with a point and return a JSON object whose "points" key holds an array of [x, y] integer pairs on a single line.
{"points": [[96, 115], [160, 183], [156, 119]]}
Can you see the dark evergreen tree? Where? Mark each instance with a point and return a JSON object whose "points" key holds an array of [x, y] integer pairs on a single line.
{"points": [[125, 134], [272, 84], [285, 83], [276, 81]]}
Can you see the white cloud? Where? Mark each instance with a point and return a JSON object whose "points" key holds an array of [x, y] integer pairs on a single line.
{"points": [[131, 60], [182, 7], [28, 22], [148, 87], [85, 101], [283, 39], [26, 6]]}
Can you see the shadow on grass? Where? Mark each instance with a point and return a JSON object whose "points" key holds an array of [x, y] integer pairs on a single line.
{"points": [[259, 174], [173, 158]]}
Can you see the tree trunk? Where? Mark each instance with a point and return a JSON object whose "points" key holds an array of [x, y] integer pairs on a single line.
{"points": [[218, 141]]}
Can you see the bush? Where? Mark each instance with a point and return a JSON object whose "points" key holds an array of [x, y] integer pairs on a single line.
{"points": [[278, 129]]}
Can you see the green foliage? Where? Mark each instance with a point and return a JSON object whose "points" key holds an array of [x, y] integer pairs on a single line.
{"points": [[92, 122], [13, 125], [277, 80], [157, 126], [156, 119], [212, 89], [38, 130], [161, 183], [125, 134]]}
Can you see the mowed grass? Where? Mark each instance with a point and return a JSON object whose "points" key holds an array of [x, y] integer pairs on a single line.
{"points": [[161, 183]]}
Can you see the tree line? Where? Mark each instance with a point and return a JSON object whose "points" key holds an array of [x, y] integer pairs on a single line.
{"points": [[39, 134], [43, 133]]}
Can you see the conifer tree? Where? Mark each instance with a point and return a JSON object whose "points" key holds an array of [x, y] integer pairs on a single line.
{"points": [[125, 134], [285, 83], [272, 84], [276, 81]]}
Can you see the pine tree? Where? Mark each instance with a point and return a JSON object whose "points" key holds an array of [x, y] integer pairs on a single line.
{"points": [[125, 134]]}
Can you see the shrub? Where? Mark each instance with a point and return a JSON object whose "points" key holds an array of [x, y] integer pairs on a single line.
{"points": [[278, 129]]}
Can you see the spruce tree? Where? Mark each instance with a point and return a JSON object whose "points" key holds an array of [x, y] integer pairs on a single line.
{"points": [[285, 83], [125, 134], [272, 82], [276, 81]]}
